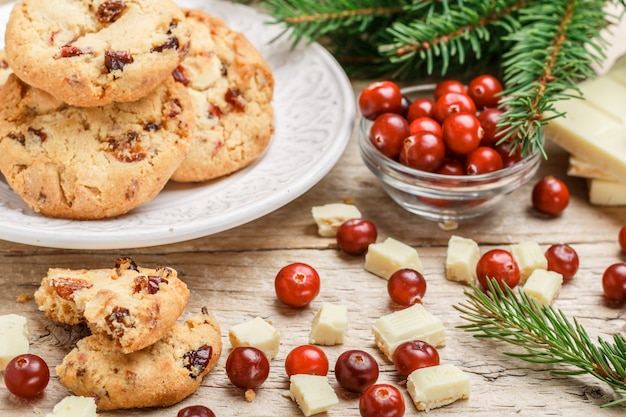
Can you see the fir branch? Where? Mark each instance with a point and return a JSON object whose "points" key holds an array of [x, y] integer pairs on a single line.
{"points": [[545, 334], [440, 37], [553, 50], [313, 19]]}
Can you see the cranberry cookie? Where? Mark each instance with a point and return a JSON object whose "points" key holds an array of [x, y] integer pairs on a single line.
{"points": [[130, 305], [231, 86], [91, 162], [95, 52], [158, 376], [5, 70]]}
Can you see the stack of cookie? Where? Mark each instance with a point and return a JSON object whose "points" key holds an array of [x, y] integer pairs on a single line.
{"points": [[137, 355], [109, 100]]}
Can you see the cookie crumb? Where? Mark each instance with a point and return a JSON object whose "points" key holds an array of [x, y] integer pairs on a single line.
{"points": [[250, 395], [24, 298]]}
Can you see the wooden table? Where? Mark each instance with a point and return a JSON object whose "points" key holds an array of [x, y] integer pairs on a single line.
{"points": [[232, 274]]}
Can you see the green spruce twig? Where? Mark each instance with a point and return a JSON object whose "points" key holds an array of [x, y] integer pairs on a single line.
{"points": [[540, 48], [545, 334], [553, 50], [310, 20]]}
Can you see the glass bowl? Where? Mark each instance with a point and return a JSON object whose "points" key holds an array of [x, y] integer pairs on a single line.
{"points": [[442, 198]]}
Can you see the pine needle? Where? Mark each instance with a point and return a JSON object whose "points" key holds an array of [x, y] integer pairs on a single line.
{"points": [[545, 335]]}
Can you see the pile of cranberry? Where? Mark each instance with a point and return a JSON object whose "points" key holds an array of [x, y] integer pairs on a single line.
{"points": [[455, 132]]}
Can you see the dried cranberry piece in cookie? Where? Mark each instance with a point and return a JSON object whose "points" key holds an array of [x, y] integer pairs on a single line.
{"points": [[235, 99], [197, 360], [116, 60], [125, 263], [171, 43], [164, 271], [148, 284], [68, 51], [127, 148], [39, 133], [110, 11], [18, 137], [214, 112], [175, 108], [65, 287], [180, 76], [151, 127], [118, 321]]}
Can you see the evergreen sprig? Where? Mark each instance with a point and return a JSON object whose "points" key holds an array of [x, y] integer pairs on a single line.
{"points": [[450, 35], [545, 334], [541, 49], [552, 51], [312, 19]]}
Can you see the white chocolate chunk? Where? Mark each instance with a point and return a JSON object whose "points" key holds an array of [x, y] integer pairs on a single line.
{"points": [[74, 406], [436, 386], [595, 127], [312, 393], [603, 189], [461, 259], [13, 338], [330, 216], [329, 325], [257, 333], [385, 258], [529, 257], [578, 167], [543, 286], [606, 193], [412, 323]]}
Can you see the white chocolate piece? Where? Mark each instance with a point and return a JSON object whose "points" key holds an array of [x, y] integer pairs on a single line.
{"points": [[578, 167], [74, 406], [606, 193], [411, 323], [603, 189], [257, 333], [543, 286], [529, 257], [330, 324], [595, 127], [312, 393], [330, 216], [436, 386], [461, 259], [385, 258], [13, 338]]}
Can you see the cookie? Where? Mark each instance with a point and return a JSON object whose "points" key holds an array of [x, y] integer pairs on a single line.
{"points": [[158, 376], [91, 162], [94, 52], [132, 306], [5, 70], [231, 86]]}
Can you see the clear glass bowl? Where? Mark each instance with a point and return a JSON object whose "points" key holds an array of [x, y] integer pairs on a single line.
{"points": [[442, 198]]}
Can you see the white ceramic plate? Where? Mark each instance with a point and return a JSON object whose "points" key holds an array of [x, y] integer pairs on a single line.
{"points": [[314, 111]]}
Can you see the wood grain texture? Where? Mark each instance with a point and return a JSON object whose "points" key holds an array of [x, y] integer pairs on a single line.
{"points": [[232, 274]]}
